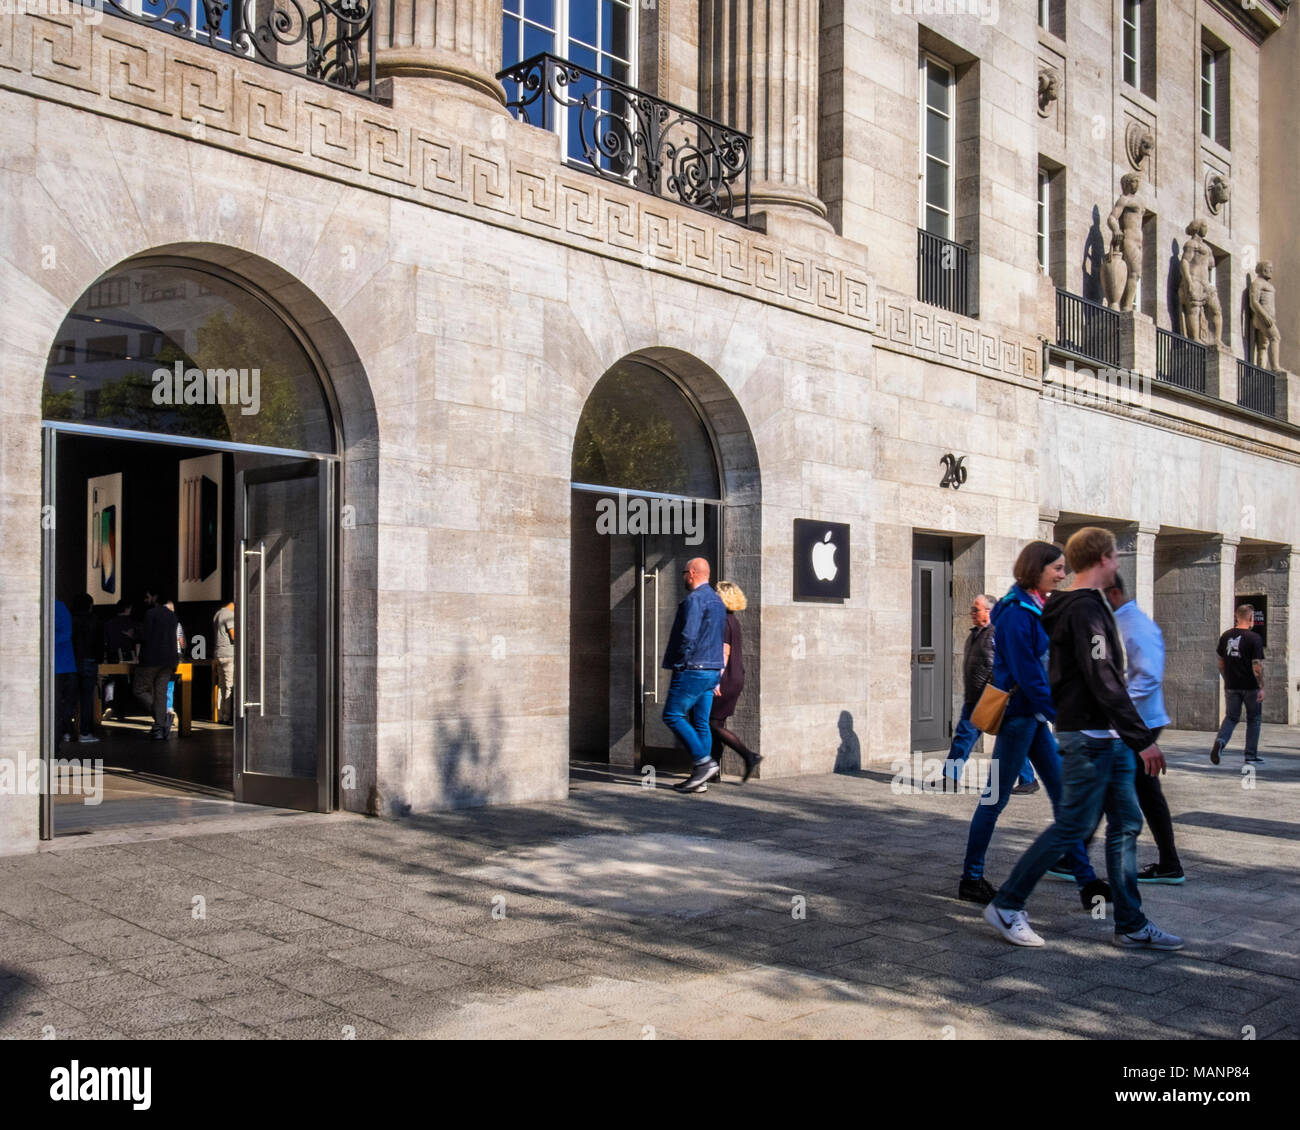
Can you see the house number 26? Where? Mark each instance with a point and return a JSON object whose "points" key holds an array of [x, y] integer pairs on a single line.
{"points": [[955, 473]]}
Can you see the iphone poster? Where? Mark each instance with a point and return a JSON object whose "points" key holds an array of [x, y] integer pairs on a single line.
{"points": [[104, 538]]}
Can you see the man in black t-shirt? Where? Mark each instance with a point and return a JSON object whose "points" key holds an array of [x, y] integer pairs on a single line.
{"points": [[1241, 662]]}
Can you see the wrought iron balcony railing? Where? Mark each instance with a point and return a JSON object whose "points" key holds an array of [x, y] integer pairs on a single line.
{"points": [[1180, 361], [1256, 388], [943, 272], [1087, 328], [327, 41], [623, 134]]}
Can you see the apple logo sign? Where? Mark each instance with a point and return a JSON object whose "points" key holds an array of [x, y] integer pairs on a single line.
{"points": [[823, 559]]}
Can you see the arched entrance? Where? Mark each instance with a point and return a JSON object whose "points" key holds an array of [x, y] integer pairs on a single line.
{"points": [[192, 457], [664, 470]]}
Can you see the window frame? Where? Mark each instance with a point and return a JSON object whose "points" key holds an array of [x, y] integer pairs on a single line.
{"points": [[1131, 22], [1208, 86], [950, 159], [1045, 220], [563, 42]]}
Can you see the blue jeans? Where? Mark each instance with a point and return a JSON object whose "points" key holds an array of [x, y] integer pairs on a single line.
{"points": [[1021, 740], [1098, 776], [687, 708], [1254, 708], [963, 738]]}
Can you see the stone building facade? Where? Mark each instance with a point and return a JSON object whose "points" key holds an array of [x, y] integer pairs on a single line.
{"points": [[462, 284]]}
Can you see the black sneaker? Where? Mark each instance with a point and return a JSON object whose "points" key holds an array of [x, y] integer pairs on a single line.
{"points": [[1155, 874], [1060, 870], [976, 890], [1025, 790], [1214, 751], [1256, 760], [1091, 890], [704, 772]]}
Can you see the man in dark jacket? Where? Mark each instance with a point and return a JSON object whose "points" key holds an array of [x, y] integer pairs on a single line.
{"points": [[158, 658], [976, 668], [694, 656], [1102, 739]]}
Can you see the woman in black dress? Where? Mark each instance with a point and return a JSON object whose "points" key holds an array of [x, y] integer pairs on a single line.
{"points": [[733, 682]]}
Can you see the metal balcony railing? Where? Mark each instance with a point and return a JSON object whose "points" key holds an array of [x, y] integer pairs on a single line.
{"points": [[943, 272], [328, 41], [618, 132], [1180, 361], [1256, 388], [1087, 328]]}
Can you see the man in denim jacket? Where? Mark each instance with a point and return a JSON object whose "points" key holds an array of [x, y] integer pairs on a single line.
{"points": [[694, 656]]}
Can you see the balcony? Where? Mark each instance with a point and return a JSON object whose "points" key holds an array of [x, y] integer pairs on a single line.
{"points": [[1180, 361], [321, 40], [1256, 388], [615, 131], [1087, 328], [943, 273]]}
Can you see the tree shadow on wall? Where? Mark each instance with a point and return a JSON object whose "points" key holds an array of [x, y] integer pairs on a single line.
{"points": [[465, 757]]}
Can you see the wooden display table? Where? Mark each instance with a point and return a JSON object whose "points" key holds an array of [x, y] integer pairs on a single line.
{"points": [[182, 699]]}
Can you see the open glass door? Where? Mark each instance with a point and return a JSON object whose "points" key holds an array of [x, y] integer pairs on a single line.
{"points": [[284, 729]]}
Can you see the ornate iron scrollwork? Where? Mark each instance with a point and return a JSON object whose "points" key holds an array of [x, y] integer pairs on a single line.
{"points": [[627, 135], [322, 40]]}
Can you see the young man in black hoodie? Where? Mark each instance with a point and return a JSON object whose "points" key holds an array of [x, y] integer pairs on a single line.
{"points": [[1103, 741]]}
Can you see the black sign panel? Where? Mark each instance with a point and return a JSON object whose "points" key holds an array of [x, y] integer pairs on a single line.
{"points": [[1259, 602], [821, 560]]}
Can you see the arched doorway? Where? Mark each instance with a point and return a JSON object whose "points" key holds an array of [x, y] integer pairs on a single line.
{"points": [[651, 490], [192, 457]]}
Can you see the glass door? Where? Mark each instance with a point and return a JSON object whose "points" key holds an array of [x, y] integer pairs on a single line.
{"points": [[284, 726]]}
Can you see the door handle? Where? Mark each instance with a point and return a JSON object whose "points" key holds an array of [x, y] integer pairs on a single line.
{"points": [[654, 691], [244, 554]]}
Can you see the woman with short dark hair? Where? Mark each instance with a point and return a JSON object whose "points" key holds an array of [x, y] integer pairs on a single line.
{"points": [[1020, 665]]}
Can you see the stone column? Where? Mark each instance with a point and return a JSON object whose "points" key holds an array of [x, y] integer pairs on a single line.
{"points": [[758, 73], [454, 45], [1047, 520], [1144, 583], [1227, 604]]}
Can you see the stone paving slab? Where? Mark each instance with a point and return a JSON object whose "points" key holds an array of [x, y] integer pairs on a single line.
{"points": [[799, 908]]}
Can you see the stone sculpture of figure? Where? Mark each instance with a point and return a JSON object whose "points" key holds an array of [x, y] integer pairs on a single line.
{"points": [[1049, 89], [1125, 224], [1263, 317], [1202, 315]]}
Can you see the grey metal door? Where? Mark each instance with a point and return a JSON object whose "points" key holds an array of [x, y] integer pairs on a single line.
{"points": [[284, 728], [931, 642]]}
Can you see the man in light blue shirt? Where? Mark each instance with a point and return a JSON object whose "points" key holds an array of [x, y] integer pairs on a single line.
{"points": [[1144, 649]]}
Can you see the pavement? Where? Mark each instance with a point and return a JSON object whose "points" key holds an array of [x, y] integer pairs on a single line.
{"points": [[810, 907]]}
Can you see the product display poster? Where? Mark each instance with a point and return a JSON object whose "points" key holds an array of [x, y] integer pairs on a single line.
{"points": [[198, 570], [104, 538]]}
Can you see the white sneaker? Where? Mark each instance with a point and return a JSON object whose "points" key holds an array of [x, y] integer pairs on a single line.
{"points": [[1150, 937], [1012, 925], [87, 738]]}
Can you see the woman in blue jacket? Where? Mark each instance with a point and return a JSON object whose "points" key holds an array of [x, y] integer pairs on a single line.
{"points": [[1020, 661]]}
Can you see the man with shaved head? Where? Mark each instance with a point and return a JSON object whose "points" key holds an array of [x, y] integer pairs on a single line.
{"points": [[694, 656]]}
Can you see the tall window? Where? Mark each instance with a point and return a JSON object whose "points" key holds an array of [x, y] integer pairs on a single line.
{"points": [[1044, 220], [1214, 91], [1133, 42], [1045, 14], [937, 108], [597, 34]]}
